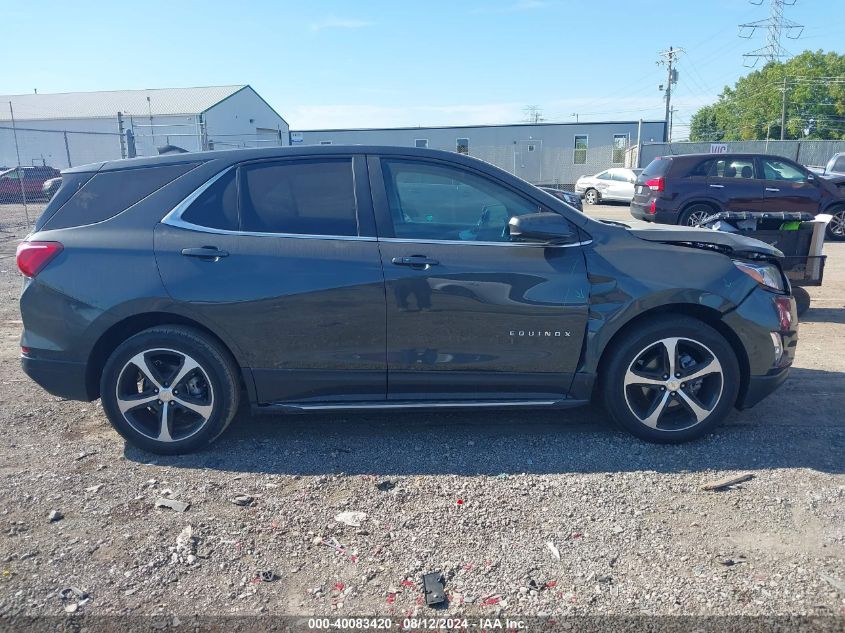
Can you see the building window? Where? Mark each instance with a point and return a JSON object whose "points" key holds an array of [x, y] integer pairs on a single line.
{"points": [[462, 146], [580, 155], [530, 148], [421, 142], [620, 144], [325, 142]]}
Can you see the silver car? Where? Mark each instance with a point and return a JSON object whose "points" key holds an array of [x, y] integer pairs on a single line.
{"points": [[836, 165], [616, 183]]}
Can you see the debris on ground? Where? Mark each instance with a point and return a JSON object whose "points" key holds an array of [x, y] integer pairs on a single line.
{"points": [[719, 484], [730, 562], [173, 504], [55, 515], [73, 598], [385, 485], [433, 588], [351, 518], [267, 576], [554, 550], [243, 500]]}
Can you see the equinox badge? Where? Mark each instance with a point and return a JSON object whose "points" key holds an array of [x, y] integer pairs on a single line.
{"points": [[539, 333]]}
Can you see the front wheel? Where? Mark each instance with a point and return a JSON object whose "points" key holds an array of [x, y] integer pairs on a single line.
{"points": [[591, 196], [170, 389], [670, 381], [836, 226]]}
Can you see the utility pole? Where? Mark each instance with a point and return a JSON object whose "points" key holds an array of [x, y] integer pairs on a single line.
{"points": [[776, 26], [783, 111], [668, 59], [533, 114], [575, 114]]}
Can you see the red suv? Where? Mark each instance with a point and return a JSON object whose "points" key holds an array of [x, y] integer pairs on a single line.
{"points": [[687, 188], [33, 182]]}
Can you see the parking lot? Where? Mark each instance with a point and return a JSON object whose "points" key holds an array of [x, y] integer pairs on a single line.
{"points": [[525, 513]]}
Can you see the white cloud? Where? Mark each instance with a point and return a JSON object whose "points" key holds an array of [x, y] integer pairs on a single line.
{"points": [[332, 22]]}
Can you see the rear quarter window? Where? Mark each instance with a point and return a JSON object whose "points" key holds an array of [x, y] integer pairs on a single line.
{"points": [[658, 167], [108, 193]]}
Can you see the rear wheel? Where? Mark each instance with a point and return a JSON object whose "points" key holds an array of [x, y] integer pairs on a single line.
{"points": [[170, 389], [670, 381], [836, 226], [693, 215], [591, 196]]}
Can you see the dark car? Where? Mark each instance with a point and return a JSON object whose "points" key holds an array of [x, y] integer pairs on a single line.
{"points": [[569, 197], [13, 187], [332, 278], [685, 189]]}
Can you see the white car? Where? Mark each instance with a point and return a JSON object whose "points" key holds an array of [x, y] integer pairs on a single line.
{"points": [[616, 183]]}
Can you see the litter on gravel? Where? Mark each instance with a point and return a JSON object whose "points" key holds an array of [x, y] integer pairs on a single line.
{"points": [[173, 504], [351, 518]]}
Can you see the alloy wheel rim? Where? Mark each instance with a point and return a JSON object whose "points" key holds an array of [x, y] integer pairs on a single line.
{"points": [[591, 197], [696, 217], [673, 384], [165, 395], [837, 223]]}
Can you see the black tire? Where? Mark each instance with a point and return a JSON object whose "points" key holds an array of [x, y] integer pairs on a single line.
{"points": [[694, 213], [633, 405], [592, 196], [836, 227], [196, 417], [802, 299]]}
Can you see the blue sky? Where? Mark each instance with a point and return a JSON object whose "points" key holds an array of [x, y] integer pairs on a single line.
{"points": [[334, 63]]}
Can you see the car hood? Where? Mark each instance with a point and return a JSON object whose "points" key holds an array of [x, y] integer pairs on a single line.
{"points": [[692, 236]]}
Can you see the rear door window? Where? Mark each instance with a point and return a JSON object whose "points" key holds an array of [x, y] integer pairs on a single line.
{"points": [[839, 164], [302, 197], [217, 206], [742, 168]]}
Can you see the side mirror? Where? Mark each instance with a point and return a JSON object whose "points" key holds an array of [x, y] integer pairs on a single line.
{"points": [[542, 227]]}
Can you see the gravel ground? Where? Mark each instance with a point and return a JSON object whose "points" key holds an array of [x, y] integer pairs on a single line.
{"points": [[525, 513]]}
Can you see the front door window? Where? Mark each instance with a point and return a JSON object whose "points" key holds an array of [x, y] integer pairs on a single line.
{"points": [[434, 202]]}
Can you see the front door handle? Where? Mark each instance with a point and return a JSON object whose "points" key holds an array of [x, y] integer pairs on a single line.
{"points": [[207, 253], [718, 186], [415, 261], [771, 189]]}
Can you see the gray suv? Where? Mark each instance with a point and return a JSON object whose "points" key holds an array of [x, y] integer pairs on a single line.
{"points": [[336, 278]]}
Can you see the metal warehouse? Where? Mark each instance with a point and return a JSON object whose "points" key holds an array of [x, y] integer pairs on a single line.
{"points": [[74, 128], [542, 153]]}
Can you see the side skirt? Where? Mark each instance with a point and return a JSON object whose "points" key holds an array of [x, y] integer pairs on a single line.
{"points": [[303, 407]]}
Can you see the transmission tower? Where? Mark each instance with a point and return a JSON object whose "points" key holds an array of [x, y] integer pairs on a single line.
{"points": [[776, 26]]}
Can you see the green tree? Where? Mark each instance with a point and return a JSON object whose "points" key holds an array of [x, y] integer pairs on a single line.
{"points": [[751, 109]]}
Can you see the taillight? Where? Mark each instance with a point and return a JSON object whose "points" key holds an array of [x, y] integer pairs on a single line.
{"points": [[32, 257], [655, 184], [653, 206]]}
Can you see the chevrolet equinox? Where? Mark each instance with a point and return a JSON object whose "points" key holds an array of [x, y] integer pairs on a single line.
{"points": [[334, 278]]}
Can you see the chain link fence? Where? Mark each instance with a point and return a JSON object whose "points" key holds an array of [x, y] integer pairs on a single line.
{"points": [[809, 153], [34, 149]]}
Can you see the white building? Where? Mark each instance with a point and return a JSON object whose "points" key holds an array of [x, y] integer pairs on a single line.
{"points": [[74, 128]]}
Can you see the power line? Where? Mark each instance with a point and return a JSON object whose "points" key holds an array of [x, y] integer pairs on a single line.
{"points": [[776, 26]]}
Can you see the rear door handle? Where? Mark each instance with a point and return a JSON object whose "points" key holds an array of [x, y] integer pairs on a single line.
{"points": [[208, 253], [771, 189], [718, 186], [415, 261]]}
